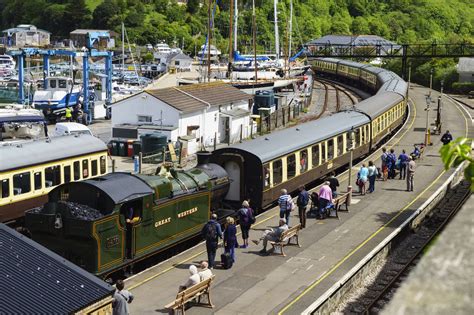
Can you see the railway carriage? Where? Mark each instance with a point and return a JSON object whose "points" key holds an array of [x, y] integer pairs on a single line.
{"points": [[30, 169]]}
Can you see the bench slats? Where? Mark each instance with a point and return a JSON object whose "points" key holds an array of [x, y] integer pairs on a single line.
{"points": [[285, 239], [196, 291]]}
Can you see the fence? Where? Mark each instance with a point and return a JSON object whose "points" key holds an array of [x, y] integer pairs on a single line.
{"points": [[280, 118]]}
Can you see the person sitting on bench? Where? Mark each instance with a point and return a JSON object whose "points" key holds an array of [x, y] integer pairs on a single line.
{"points": [[193, 279], [272, 235]]}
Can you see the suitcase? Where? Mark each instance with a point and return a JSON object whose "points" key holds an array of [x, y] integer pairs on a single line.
{"points": [[226, 261]]}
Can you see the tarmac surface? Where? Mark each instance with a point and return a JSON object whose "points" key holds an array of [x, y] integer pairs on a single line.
{"points": [[270, 284]]}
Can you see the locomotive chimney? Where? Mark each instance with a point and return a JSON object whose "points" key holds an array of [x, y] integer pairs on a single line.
{"points": [[203, 157]]}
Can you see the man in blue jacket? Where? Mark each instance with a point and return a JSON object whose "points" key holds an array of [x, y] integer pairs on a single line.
{"points": [[211, 232], [302, 202]]}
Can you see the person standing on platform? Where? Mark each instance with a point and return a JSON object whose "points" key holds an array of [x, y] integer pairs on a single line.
{"points": [[211, 232], [410, 173], [285, 203], [391, 163], [230, 237], [403, 160], [325, 197], [68, 114], [446, 138], [384, 168], [121, 299], [333, 183], [302, 203], [362, 178], [246, 219], [372, 175]]}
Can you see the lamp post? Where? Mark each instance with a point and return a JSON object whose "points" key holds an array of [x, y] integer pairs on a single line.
{"points": [[427, 109], [438, 113], [409, 78], [351, 136], [431, 81]]}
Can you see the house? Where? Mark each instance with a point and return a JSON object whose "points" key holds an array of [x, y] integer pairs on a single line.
{"points": [[79, 38], [339, 44], [466, 70], [179, 61], [209, 112], [26, 35]]}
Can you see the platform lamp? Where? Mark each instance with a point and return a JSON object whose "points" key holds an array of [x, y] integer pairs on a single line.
{"points": [[427, 132], [431, 81], [351, 137], [438, 114]]}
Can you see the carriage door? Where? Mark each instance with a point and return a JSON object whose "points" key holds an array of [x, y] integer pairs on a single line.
{"points": [[233, 170]]}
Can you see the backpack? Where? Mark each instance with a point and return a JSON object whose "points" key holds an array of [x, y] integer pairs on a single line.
{"points": [[211, 232], [246, 216]]}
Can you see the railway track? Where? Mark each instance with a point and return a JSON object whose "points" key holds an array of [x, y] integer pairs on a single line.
{"points": [[405, 255], [335, 95]]}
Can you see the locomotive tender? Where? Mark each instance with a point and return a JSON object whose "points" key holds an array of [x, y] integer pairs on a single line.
{"points": [[172, 207]]}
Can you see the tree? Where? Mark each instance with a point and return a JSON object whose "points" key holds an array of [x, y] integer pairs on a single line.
{"points": [[104, 13], [77, 15], [193, 6]]}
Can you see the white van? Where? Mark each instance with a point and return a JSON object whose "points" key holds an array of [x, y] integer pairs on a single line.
{"points": [[71, 128]]}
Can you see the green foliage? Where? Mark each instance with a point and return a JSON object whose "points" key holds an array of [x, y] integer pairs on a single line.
{"points": [[455, 153], [462, 88]]}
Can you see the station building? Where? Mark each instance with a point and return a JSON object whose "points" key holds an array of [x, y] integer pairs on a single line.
{"points": [[204, 114]]}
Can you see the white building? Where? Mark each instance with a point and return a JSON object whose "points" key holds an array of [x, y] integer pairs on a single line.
{"points": [[26, 35], [208, 112], [466, 70]]}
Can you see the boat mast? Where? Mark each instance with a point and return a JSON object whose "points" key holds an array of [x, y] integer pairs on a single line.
{"points": [[209, 42], [254, 35], [236, 20], [291, 27], [123, 47], [277, 43], [231, 57]]}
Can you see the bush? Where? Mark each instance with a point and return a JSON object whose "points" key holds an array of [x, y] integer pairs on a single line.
{"points": [[462, 88]]}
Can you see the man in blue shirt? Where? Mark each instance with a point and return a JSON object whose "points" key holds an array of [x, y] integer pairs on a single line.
{"points": [[211, 232], [302, 202], [403, 158]]}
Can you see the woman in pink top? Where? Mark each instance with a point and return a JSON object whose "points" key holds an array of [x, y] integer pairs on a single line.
{"points": [[325, 197]]}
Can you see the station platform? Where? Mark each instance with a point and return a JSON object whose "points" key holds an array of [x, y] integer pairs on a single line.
{"points": [[271, 284]]}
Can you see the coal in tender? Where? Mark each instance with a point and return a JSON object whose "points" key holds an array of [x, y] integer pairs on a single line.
{"points": [[80, 211], [35, 210]]}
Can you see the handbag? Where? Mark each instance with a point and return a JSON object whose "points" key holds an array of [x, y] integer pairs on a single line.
{"points": [[252, 219]]}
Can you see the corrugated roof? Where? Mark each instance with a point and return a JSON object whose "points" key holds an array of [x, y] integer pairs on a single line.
{"points": [[287, 140], [40, 151], [195, 97], [358, 40], [466, 65], [34, 280]]}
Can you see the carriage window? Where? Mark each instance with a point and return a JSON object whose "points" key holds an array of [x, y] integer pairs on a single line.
{"points": [[52, 84], [290, 166], [85, 168], [303, 161], [38, 180], [94, 169], [340, 145], [323, 152], [266, 175], [77, 170], [102, 165], [356, 141], [21, 183], [5, 188], [62, 84], [67, 173], [330, 149], [315, 155], [52, 175], [277, 172]]}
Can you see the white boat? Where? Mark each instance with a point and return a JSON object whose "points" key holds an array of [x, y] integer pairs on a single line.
{"points": [[20, 122], [163, 48], [215, 53], [7, 65]]}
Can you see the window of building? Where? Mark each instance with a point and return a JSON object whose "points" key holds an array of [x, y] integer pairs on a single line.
{"points": [[103, 166], [315, 156], [5, 187], [277, 172], [38, 180], [77, 170], [94, 168], [144, 118], [85, 168], [330, 149], [21, 183], [290, 166], [303, 161], [67, 173]]}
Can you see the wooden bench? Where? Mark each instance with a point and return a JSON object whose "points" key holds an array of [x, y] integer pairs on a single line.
{"points": [[338, 202], [202, 289], [285, 239]]}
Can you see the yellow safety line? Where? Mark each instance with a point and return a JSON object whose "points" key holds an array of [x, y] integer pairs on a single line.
{"points": [[373, 235]]}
